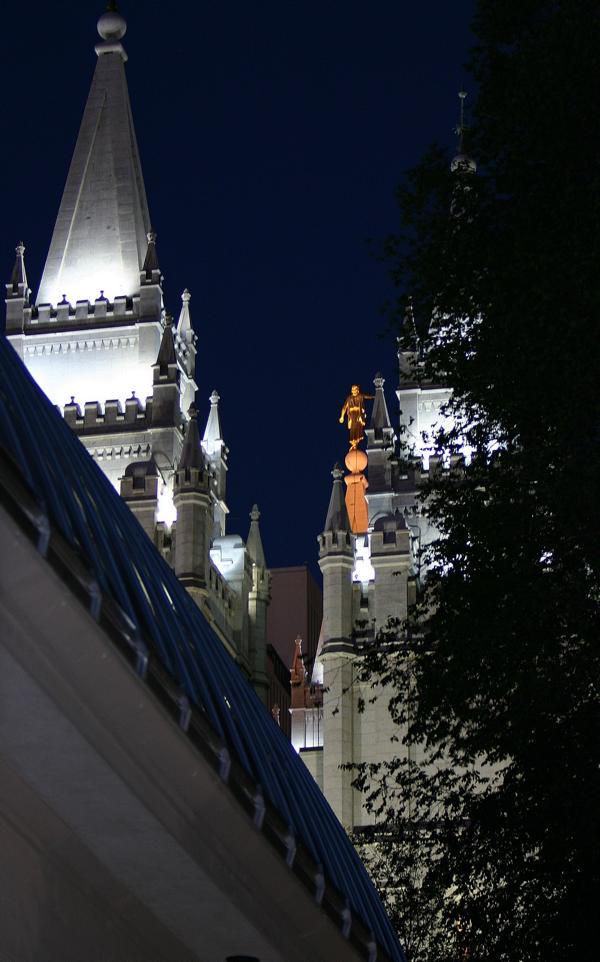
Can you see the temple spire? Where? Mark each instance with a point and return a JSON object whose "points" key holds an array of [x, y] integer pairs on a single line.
{"points": [[216, 453], [380, 418], [254, 542], [337, 513], [166, 353], [17, 293], [100, 235], [191, 454]]}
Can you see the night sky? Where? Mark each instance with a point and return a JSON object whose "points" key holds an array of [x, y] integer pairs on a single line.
{"points": [[272, 136]]}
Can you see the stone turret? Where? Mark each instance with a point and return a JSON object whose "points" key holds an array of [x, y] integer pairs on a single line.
{"points": [[216, 451], [258, 601], [166, 410], [139, 488], [381, 441], [336, 558], [98, 334], [306, 711], [191, 497], [185, 346], [391, 560], [151, 279], [336, 654], [17, 293], [95, 327]]}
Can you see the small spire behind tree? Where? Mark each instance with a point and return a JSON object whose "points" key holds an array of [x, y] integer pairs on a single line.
{"points": [[461, 162]]}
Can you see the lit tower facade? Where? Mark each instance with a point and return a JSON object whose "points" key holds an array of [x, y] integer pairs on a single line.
{"points": [[98, 340], [369, 569]]}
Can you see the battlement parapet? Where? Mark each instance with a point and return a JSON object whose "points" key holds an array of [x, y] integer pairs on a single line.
{"points": [[94, 419], [140, 482], [335, 543], [419, 470], [64, 315], [392, 541]]}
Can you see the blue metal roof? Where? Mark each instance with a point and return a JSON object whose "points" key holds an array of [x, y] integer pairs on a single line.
{"points": [[80, 502]]}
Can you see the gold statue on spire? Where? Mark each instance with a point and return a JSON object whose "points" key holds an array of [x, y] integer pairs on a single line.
{"points": [[354, 409]]}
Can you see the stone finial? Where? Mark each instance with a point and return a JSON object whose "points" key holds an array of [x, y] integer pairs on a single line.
{"points": [[18, 276], [213, 432], [111, 25], [150, 264], [184, 324]]}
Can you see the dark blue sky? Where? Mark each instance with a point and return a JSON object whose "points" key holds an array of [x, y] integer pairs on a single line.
{"points": [[272, 136]]}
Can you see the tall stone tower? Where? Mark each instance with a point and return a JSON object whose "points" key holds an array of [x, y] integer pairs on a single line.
{"points": [[368, 578], [98, 340]]}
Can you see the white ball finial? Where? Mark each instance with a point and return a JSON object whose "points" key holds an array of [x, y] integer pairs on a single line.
{"points": [[111, 25]]}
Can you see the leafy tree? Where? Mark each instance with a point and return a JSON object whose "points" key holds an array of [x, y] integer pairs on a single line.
{"points": [[495, 680]]}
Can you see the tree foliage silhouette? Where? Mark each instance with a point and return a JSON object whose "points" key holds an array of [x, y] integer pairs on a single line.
{"points": [[488, 817]]}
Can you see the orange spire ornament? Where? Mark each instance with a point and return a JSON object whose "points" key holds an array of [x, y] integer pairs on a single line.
{"points": [[356, 460]]}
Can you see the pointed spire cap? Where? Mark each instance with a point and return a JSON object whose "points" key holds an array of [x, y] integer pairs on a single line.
{"points": [[18, 275], [212, 432], [151, 258], [184, 324], [379, 416], [254, 542], [166, 352], [410, 337], [337, 514], [100, 233], [298, 670], [191, 453]]}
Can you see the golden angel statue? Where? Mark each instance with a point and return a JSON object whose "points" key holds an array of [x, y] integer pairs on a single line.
{"points": [[354, 409]]}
